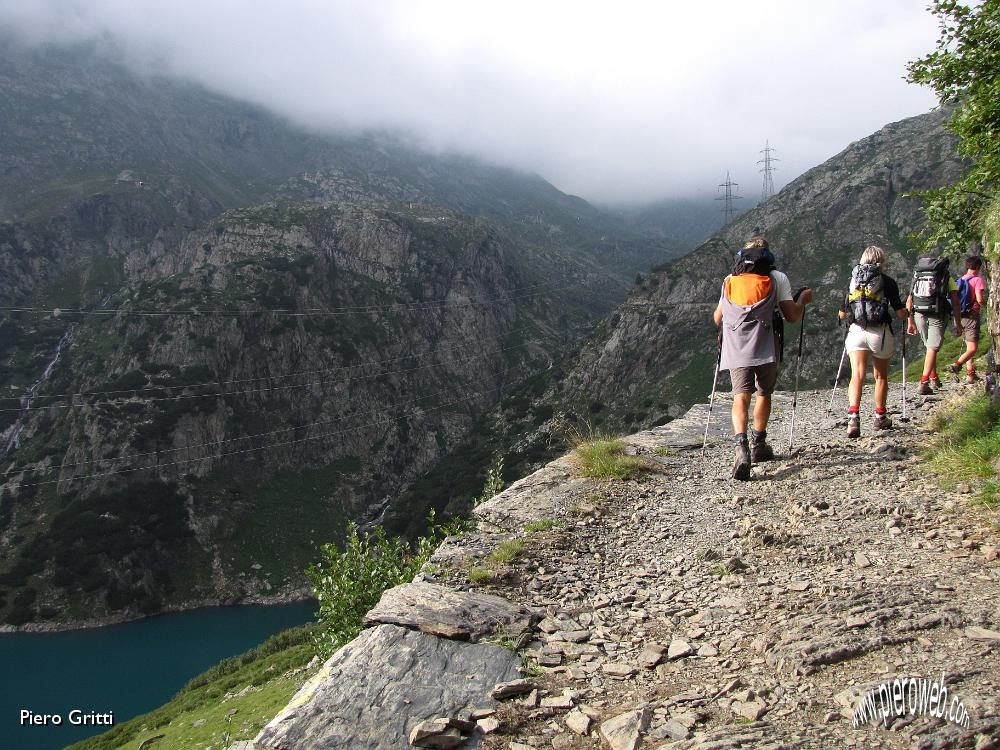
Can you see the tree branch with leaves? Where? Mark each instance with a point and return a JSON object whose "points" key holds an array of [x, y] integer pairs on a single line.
{"points": [[964, 71]]}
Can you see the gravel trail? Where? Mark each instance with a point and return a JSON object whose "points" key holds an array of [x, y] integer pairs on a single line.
{"points": [[688, 610]]}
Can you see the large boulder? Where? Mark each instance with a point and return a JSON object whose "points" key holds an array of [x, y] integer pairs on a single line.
{"points": [[439, 610], [377, 688]]}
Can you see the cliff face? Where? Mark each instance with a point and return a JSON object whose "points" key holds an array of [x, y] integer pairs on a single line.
{"points": [[655, 355], [258, 434], [223, 338]]}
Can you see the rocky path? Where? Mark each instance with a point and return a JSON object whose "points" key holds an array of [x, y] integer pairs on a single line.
{"points": [[743, 614], [687, 610]]}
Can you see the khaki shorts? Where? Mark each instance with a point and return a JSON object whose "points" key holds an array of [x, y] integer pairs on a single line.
{"points": [[930, 328], [766, 376], [970, 329]]}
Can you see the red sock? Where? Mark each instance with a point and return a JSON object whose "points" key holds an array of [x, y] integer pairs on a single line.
{"points": [[924, 378], [934, 375], [852, 410], [880, 410]]}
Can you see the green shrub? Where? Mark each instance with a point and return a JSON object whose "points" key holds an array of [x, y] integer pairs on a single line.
{"points": [[507, 551], [479, 575], [348, 582], [606, 458], [493, 484]]}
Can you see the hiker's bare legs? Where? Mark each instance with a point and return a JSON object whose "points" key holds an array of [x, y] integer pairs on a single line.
{"points": [[741, 405], [761, 412], [859, 368], [930, 362], [970, 351], [881, 383]]}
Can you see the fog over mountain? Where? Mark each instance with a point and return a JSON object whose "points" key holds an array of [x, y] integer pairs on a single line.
{"points": [[634, 102]]}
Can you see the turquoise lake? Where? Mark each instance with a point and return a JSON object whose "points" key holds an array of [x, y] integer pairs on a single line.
{"points": [[128, 669]]}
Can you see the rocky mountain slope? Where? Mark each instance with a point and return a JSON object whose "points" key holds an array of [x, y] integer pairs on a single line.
{"points": [[684, 610], [223, 337], [655, 355]]}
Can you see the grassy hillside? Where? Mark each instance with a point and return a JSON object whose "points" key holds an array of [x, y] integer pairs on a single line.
{"points": [[232, 701], [948, 353]]}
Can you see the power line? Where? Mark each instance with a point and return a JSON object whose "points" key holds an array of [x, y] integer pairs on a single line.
{"points": [[61, 466], [158, 466], [728, 196], [165, 451], [468, 397], [308, 312], [768, 168], [153, 399]]}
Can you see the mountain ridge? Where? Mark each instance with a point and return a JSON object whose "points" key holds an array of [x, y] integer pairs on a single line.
{"points": [[199, 258], [655, 354]]}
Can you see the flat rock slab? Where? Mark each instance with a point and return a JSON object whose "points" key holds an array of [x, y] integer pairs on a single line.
{"points": [[688, 431], [439, 610], [377, 688], [547, 494]]}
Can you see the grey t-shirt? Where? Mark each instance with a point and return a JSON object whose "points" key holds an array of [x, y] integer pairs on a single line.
{"points": [[748, 338]]}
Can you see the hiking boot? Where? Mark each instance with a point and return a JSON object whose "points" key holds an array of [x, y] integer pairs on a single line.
{"points": [[937, 383], [759, 449], [925, 388], [971, 379], [853, 426], [882, 422], [954, 368], [741, 463]]}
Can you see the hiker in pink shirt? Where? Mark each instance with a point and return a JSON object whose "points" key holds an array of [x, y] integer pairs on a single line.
{"points": [[972, 296]]}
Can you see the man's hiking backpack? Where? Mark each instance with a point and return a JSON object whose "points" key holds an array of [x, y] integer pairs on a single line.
{"points": [[757, 260], [866, 302], [966, 297], [751, 282], [930, 286]]}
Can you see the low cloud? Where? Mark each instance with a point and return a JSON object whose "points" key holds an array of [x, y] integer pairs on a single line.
{"points": [[623, 102]]}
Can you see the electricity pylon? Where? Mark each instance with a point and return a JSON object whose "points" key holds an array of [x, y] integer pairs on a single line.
{"points": [[728, 196]]}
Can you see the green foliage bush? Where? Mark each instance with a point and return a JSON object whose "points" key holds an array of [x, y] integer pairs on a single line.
{"points": [[494, 483], [348, 581], [964, 71]]}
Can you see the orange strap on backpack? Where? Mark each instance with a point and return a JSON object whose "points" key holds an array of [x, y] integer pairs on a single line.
{"points": [[747, 288]]}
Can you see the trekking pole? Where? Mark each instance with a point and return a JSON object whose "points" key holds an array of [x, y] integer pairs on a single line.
{"points": [[711, 400], [836, 382], [798, 369], [903, 417]]}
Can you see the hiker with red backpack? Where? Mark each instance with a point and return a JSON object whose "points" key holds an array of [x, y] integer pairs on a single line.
{"points": [[872, 300], [933, 294], [971, 297], [751, 297]]}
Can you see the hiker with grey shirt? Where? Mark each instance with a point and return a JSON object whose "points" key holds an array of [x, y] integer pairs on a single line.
{"points": [[746, 314]]}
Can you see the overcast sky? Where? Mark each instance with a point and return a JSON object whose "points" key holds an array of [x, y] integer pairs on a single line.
{"points": [[613, 101]]}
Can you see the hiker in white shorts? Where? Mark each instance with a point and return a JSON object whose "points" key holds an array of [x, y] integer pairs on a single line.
{"points": [[871, 302]]}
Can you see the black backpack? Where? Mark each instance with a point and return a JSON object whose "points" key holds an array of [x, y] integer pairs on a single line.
{"points": [[930, 286], [866, 302], [760, 260]]}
